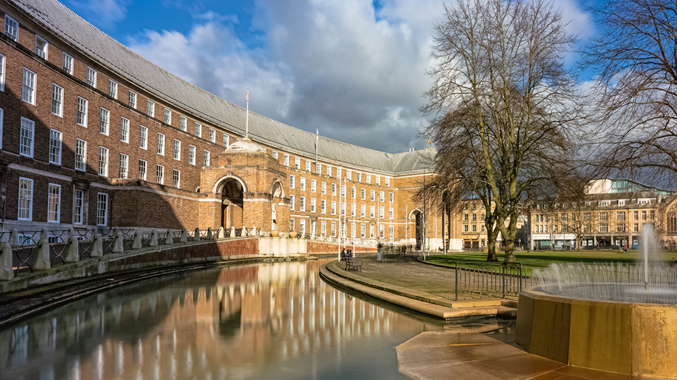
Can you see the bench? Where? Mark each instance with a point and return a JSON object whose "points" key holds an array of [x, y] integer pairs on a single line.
{"points": [[352, 264]]}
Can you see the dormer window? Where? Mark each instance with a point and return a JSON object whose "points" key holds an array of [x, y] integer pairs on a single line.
{"points": [[621, 202], [604, 203]]}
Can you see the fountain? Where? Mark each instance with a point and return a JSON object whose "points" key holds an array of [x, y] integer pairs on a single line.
{"points": [[614, 317]]}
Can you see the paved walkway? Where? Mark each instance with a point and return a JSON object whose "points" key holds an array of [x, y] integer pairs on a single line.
{"points": [[439, 355]]}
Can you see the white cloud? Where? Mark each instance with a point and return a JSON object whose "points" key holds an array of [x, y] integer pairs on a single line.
{"points": [[336, 65]]}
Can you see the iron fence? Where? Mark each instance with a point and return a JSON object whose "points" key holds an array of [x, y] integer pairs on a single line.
{"points": [[480, 280]]}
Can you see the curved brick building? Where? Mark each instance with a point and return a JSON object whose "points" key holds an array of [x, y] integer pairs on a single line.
{"points": [[95, 135]]}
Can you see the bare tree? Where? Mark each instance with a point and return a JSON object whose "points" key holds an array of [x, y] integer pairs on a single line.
{"points": [[503, 106], [636, 59]]}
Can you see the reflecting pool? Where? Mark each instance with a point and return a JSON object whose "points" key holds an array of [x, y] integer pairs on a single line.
{"points": [[262, 321]]}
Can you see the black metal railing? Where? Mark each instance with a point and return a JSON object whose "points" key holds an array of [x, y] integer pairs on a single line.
{"points": [[481, 280]]}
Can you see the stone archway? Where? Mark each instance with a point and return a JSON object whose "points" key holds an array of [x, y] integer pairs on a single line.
{"points": [[232, 203], [277, 195], [417, 215]]}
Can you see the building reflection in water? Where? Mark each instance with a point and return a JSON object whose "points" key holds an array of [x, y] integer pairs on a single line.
{"points": [[254, 321]]}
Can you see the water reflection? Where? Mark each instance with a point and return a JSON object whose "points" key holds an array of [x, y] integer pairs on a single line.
{"points": [[255, 321]]}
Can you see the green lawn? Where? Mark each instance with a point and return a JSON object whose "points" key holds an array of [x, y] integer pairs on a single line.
{"points": [[539, 259]]}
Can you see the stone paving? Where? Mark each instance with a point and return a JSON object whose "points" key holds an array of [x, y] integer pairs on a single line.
{"points": [[409, 273]]}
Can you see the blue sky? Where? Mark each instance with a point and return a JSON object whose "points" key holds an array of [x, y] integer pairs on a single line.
{"points": [[354, 69]]}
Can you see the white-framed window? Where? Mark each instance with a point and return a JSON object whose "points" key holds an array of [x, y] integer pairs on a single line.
{"points": [[297, 163], [358, 176], [338, 173], [124, 130], [112, 89], [191, 154], [313, 186], [150, 108], [80, 155], [312, 204], [391, 213], [391, 232], [275, 156], [25, 199], [368, 178], [292, 202], [55, 140], [363, 230], [372, 212], [378, 179], [124, 166], [333, 228], [363, 210], [177, 150], [206, 158], [67, 63], [328, 170], [286, 160], [382, 196], [143, 137], [104, 123], [212, 135], [381, 212], [81, 112], [103, 161], [28, 88], [159, 174], [167, 116], [183, 123], [302, 203], [372, 230], [323, 187], [198, 129], [381, 231], [333, 189], [343, 208], [291, 225], [176, 178], [2, 72], [303, 184], [27, 138], [323, 206], [41, 47], [353, 230], [387, 181], [323, 228], [353, 209], [391, 197], [143, 170], [101, 209], [318, 168], [333, 207], [132, 99], [291, 181], [372, 195], [91, 77], [57, 100], [226, 142], [308, 165], [363, 194], [302, 227], [353, 192], [79, 207], [343, 191], [11, 28], [161, 144]]}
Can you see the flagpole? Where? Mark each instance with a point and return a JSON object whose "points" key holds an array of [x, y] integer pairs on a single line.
{"points": [[246, 135]]}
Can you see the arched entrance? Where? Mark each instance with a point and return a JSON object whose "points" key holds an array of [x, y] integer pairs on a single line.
{"points": [[231, 203], [417, 215], [277, 196]]}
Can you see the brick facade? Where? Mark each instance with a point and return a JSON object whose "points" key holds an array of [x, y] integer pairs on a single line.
{"points": [[198, 199]]}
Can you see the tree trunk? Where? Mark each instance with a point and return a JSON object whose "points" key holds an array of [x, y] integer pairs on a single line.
{"points": [[509, 251], [491, 247]]}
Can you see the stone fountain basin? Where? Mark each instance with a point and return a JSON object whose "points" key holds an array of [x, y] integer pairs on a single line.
{"points": [[623, 337]]}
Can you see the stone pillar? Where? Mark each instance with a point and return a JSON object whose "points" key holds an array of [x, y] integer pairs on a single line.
{"points": [[42, 261], [119, 242], [97, 245], [153, 239], [197, 235], [138, 242], [232, 231], [6, 272], [184, 236], [73, 248], [222, 233], [169, 239], [282, 211], [210, 234]]}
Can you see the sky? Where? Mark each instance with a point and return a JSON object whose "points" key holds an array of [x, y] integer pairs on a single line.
{"points": [[355, 70]]}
